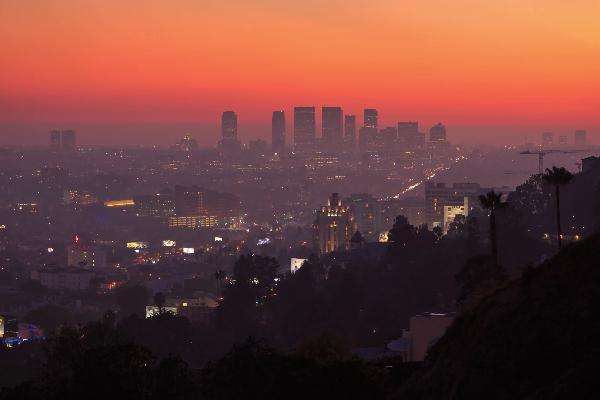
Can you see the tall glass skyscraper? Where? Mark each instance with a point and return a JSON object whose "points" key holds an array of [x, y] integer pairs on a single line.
{"points": [[437, 133], [350, 132], [332, 127], [370, 118], [278, 130], [304, 129], [229, 125]]}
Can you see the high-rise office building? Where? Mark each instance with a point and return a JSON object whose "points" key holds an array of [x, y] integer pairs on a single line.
{"points": [[367, 139], [68, 140], [437, 133], [350, 132], [257, 147], [278, 131], [366, 212], [229, 144], [409, 135], [562, 140], [444, 202], [407, 130], [580, 137], [388, 137], [189, 201], [160, 205], [370, 118], [547, 139], [334, 226], [55, 140], [229, 128], [332, 127], [304, 129]]}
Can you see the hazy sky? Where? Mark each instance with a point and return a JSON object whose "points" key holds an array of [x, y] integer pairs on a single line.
{"points": [[149, 71]]}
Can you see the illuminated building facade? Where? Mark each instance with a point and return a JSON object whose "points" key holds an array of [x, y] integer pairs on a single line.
{"points": [[193, 222], [334, 226], [160, 205], [119, 203], [438, 196], [452, 211]]}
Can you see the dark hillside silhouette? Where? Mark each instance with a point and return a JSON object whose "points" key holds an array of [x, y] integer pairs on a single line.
{"points": [[535, 338]]}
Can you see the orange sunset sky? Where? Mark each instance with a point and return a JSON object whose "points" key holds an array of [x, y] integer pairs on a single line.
{"points": [[125, 71]]}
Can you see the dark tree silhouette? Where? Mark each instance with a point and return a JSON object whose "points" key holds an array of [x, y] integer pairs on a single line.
{"points": [[558, 177], [132, 300], [159, 301], [251, 287], [492, 201], [220, 276], [478, 278], [49, 317]]}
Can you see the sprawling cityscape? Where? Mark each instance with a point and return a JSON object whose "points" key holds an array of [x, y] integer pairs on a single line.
{"points": [[318, 253]]}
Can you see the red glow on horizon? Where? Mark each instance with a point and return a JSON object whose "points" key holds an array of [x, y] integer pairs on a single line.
{"points": [[465, 63]]}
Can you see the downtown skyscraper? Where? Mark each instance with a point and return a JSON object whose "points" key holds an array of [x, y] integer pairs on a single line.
{"points": [[409, 136], [367, 135], [68, 140], [278, 131], [63, 140], [437, 133], [370, 118], [350, 132], [55, 140], [332, 128], [229, 125], [304, 129], [229, 143]]}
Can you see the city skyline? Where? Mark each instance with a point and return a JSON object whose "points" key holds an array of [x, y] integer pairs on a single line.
{"points": [[284, 132], [493, 72], [234, 199]]}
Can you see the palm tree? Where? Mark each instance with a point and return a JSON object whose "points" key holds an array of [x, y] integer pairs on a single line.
{"points": [[491, 202], [558, 177]]}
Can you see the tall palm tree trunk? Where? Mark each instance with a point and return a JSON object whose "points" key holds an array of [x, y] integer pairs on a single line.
{"points": [[558, 217], [493, 239]]}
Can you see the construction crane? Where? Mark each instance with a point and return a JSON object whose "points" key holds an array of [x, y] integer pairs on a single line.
{"points": [[542, 153]]}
